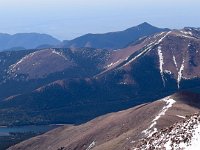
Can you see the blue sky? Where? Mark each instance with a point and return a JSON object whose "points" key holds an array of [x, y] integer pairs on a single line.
{"points": [[67, 19]]}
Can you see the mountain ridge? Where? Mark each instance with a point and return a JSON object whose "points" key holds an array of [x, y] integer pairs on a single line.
{"points": [[114, 40], [119, 130]]}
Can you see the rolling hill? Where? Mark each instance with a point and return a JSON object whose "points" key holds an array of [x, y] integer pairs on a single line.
{"points": [[22, 41]]}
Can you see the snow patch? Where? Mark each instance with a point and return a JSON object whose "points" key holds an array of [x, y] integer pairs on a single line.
{"points": [[195, 141], [91, 145], [184, 135], [169, 103], [149, 47], [187, 33], [190, 138], [59, 54], [186, 36], [180, 116], [168, 72], [180, 73], [174, 59]]}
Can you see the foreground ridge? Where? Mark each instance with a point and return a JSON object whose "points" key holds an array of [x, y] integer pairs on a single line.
{"points": [[180, 136]]}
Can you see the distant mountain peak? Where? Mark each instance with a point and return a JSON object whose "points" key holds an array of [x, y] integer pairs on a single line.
{"points": [[145, 24], [114, 40]]}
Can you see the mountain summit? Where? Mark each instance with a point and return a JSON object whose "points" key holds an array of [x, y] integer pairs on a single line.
{"points": [[114, 40]]}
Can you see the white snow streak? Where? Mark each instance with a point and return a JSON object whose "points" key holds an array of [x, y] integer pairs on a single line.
{"points": [[180, 70], [180, 74], [91, 145], [113, 63], [174, 59], [161, 39], [59, 54], [161, 62], [14, 66], [169, 102], [180, 116], [148, 47], [161, 58]]}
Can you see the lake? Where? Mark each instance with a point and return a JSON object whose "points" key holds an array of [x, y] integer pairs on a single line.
{"points": [[12, 135]]}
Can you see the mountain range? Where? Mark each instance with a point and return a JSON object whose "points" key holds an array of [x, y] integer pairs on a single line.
{"points": [[75, 85], [56, 81], [114, 40]]}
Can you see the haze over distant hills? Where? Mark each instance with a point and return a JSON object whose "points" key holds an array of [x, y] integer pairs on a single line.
{"points": [[111, 40], [25, 41]]}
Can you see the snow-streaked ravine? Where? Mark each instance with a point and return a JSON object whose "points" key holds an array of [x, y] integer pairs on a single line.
{"points": [[180, 73], [175, 63], [149, 47], [179, 70], [161, 63], [161, 57], [152, 129]]}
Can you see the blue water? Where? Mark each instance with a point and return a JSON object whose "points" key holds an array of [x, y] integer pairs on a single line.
{"points": [[5, 131]]}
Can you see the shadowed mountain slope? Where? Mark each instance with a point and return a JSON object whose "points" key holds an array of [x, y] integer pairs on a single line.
{"points": [[120, 130]]}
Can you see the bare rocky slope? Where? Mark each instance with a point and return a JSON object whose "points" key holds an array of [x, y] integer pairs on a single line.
{"points": [[124, 130], [184, 135]]}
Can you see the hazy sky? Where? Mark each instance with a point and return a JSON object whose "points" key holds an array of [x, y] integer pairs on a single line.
{"points": [[66, 19]]}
